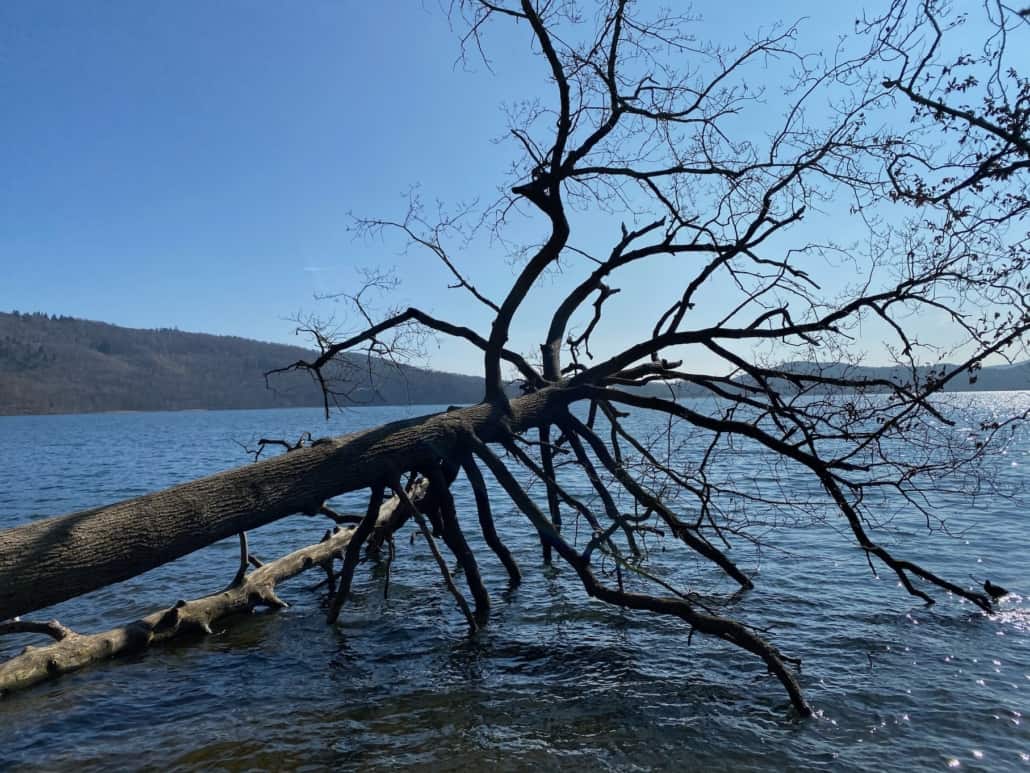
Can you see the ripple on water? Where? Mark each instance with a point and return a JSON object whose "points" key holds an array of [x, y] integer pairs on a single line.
{"points": [[556, 680]]}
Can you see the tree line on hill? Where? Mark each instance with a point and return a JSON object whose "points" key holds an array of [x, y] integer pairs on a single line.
{"points": [[59, 364]]}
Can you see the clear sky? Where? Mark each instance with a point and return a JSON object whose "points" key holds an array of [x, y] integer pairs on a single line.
{"points": [[192, 164]]}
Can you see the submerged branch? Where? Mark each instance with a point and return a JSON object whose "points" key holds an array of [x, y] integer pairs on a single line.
{"points": [[257, 589], [723, 628]]}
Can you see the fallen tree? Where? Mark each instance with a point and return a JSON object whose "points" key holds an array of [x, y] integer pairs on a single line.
{"points": [[52, 560], [645, 128]]}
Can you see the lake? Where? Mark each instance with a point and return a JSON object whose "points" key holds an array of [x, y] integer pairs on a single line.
{"points": [[555, 679]]}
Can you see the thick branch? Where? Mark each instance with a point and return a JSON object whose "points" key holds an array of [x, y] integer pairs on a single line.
{"points": [[455, 541], [353, 552], [74, 651], [486, 520], [433, 323], [445, 572]]}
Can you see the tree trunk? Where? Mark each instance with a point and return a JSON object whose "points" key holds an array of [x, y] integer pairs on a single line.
{"points": [[55, 559]]}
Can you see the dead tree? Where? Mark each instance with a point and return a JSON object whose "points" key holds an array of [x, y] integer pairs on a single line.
{"points": [[659, 134]]}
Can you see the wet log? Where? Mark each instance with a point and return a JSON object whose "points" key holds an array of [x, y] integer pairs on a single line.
{"points": [[257, 589]]}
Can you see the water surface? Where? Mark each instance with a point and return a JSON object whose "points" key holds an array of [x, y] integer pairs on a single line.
{"points": [[556, 679]]}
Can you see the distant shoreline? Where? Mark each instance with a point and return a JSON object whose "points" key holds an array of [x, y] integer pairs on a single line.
{"points": [[357, 406], [213, 410], [52, 366]]}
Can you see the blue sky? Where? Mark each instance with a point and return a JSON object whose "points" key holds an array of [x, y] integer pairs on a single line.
{"points": [[193, 164]]}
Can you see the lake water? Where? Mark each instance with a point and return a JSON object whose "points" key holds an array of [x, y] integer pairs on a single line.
{"points": [[555, 679]]}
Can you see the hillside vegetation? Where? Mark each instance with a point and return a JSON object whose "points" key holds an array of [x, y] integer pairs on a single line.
{"points": [[51, 364], [1013, 377]]}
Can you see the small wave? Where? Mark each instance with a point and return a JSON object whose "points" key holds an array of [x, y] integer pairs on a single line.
{"points": [[1011, 613]]}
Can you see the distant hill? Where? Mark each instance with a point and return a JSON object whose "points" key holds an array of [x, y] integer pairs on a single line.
{"points": [[993, 378], [64, 365], [990, 379]]}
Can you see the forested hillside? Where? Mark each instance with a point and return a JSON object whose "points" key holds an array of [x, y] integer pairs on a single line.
{"points": [[51, 364], [1012, 377]]}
